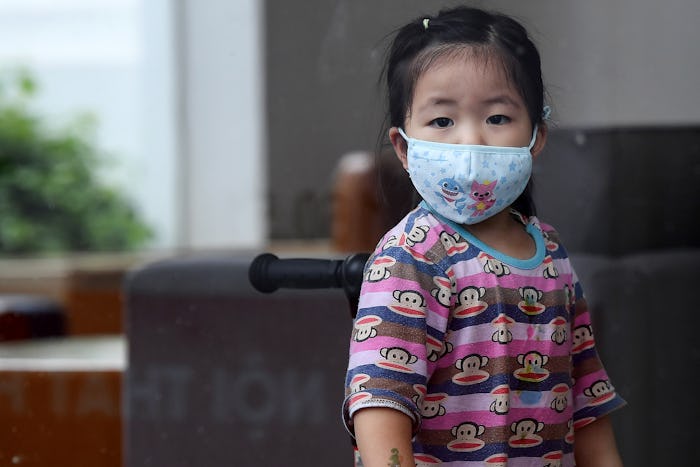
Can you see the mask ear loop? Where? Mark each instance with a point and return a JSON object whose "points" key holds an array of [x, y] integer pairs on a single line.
{"points": [[534, 138], [546, 114], [406, 138]]}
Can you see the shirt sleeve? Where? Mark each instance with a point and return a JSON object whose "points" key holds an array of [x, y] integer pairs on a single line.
{"points": [[593, 392], [398, 330]]}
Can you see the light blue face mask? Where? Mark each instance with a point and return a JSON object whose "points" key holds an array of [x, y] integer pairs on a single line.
{"points": [[468, 183]]}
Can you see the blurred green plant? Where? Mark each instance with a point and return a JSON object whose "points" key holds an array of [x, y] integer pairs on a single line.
{"points": [[51, 199]]}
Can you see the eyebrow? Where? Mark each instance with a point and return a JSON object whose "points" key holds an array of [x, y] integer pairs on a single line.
{"points": [[438, 101], [446, 101], [502, 99]]}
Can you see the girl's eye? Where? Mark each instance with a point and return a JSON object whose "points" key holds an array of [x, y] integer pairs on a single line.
{"points": [[498, 119], [442, 122]]}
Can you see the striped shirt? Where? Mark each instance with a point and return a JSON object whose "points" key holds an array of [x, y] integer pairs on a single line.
{"points": [[492, 357]]}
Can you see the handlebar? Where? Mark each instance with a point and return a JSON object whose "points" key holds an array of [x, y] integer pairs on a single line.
{"points": [[267, 273]]}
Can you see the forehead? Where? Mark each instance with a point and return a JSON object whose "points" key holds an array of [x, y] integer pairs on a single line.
{"points": [[463, 71]]}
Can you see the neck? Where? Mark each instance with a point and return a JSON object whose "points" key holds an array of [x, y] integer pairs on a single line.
{"points": [[505, 234]]}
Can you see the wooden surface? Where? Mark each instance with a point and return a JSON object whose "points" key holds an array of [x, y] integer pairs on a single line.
{"points": [[60, 402]]}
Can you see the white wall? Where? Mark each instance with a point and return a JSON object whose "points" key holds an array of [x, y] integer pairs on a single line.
{"points": [[221, 105]]}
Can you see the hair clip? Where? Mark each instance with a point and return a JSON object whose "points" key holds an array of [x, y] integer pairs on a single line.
{"points": [[425, 23], [546, 112]]}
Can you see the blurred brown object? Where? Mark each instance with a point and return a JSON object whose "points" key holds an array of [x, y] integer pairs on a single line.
{"points": [[370, 195], [94, 301], [356, 221], [88, 287], [60, 402]]}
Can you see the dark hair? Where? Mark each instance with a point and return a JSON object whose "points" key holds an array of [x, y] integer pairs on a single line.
{"points": [[416, 44]]}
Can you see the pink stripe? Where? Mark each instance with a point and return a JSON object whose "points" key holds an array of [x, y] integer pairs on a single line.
{"points": [[456, 403], [381, 297], [479, 338], [582, 320], [379, 342], [393, 283], [490, 419], [586, 380], [483, 279]]}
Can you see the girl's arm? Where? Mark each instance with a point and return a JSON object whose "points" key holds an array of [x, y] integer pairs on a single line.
{"points": [[594, 445], [384, 437]]}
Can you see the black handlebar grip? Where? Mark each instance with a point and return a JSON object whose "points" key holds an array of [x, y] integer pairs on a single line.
{"points": [[352, 271], [268, 273]]}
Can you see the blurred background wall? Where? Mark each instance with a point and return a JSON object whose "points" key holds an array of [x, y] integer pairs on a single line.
{"points": [[226, 120], [605, 64]]}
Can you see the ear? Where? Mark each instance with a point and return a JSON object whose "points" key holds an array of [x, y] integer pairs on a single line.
{"points": [[400, 146], [540, 140]]}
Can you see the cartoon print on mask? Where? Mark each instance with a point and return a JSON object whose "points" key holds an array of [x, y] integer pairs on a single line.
{"points": [[525, 433], [482, 194], [397, 359], [471, 370], [469, 303], [452, 193], [366, 327], [410, 303], [466, 437]]}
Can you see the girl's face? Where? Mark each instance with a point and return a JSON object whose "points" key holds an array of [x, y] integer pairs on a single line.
{"points": [[467, 100]]}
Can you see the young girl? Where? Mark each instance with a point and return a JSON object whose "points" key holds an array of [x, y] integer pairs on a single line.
{"points": [[473, 343]]}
